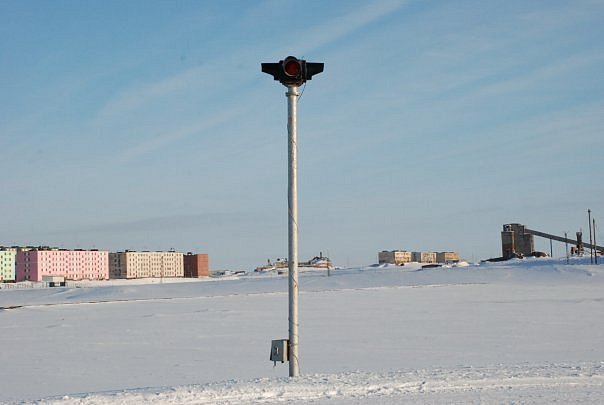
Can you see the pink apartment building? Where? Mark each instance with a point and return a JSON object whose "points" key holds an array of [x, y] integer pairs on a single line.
{"points": [[71, 264]]}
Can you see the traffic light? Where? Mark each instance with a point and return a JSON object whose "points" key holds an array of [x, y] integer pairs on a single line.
{"points": [[292, 71]]}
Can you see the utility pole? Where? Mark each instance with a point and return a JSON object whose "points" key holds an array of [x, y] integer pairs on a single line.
{"points": [[595, 244], [591, 248], [566, 242], [292, 228], [291, 72]]}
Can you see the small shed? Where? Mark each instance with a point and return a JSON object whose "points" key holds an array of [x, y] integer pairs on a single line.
{"points": [[54, 281]]}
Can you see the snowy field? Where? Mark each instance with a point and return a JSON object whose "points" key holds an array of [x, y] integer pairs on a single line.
{"points": [[524, 331]]}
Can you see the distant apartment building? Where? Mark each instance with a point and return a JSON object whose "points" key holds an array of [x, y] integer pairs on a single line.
{"points": [[196, 265], [447, 257], [77, 264], [424, 257], [397, 257], [132, 264], [7, 264]]}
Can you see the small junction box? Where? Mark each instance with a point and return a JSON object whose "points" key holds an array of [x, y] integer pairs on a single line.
{"points": [[279, 350]]}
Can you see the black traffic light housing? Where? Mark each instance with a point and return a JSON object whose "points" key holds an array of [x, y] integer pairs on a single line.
{"points": [[292, 71]]}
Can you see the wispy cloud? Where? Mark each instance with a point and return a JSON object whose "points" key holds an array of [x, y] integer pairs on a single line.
{"points": [[137, 96], [545, 73], [140, 97], [556, 16], [204, 76], [166, 137], [335, 29]]}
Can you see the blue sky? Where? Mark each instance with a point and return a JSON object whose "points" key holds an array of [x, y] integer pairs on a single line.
{"points": [[149, 125]]}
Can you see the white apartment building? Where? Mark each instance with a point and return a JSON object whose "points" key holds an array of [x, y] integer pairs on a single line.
{"points": [[132, 264], [7, 264]]}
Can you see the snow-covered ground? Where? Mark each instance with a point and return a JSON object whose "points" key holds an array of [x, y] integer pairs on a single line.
{"points": [[521, 331]]}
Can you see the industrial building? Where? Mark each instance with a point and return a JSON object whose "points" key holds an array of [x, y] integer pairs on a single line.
{"points": [[79, 264], [516, 241], [133, 264], [196, 265]]}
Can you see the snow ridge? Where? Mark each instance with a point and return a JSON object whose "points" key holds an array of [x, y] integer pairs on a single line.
{"points": [[528, 382]]}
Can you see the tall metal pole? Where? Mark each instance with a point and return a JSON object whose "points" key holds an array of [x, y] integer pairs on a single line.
{"points": [[591, 249], [594, 245], [292, 72], [566, 241], [292, 198]]}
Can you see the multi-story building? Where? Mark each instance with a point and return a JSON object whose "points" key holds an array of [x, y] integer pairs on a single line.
{"points": [[397, 257], [132, 264], [7, 264], [71, 264], [447, 257], [196, 265], [424, 257]]}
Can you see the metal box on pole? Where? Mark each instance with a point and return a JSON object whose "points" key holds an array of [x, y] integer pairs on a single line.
{"points": [[279, 350]]}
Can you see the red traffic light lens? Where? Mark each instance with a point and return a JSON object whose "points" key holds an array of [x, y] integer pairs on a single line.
{"points": [[292, 67]]}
